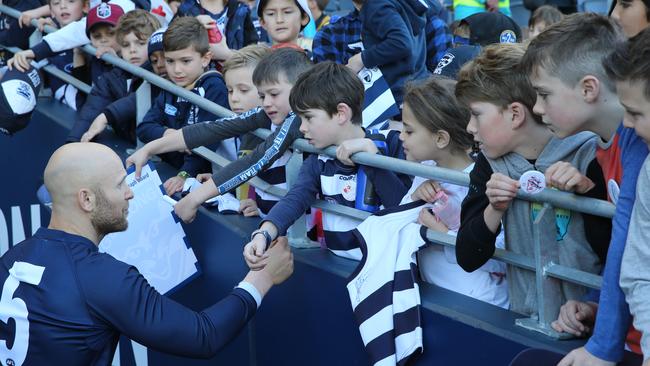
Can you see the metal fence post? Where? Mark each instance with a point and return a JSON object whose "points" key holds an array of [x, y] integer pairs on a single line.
{"points": [[548, 289], [297, 233]]}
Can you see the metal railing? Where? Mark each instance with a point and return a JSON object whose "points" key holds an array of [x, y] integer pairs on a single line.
{"points": [[545, 269]]}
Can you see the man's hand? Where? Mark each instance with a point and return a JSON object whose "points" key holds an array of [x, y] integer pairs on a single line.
{"points": [[186, 208], [426, 191], [582, 357], [355, 63], [173, 185], [254, 254], [248, 208], [21, 60], [500, 191], [566, 177], [350, 147], [139, 159], [576, 318], [98, 125], [280, 260]]}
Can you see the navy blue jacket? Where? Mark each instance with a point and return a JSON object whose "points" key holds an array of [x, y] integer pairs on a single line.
{"points": [[77, 301], [240, 31], [170, 111], [394, 39]]}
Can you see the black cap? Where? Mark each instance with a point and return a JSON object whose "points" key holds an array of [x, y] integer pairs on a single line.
{"points": [[454, 59], [488, 28], [19, 91]]}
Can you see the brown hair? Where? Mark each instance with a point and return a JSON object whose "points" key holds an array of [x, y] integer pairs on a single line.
{"points": [[572, 48], [630, 61], [547, 14], [322, 4], [284, 61], [435, 107], [184, 32], [495, 77], [248, 56], [139, 22], [325, 86]]}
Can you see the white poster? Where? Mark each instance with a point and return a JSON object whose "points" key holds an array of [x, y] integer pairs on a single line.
{"points": [[155, 242]]}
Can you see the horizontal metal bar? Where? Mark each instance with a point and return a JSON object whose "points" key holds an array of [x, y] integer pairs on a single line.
{"points": [[573, 275]]}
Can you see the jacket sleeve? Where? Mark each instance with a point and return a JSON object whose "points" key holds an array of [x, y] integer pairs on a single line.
{"points": [[248, 166], [99, 98], [301, 195], [613, 317], [635, 273], [475, 243], [122, 112], [395, 36], [127, 301], [211, 132], [152, 127], [250, 34], [71, 36]]}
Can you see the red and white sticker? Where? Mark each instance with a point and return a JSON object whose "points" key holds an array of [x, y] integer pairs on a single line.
{"points": [[532, 182]]}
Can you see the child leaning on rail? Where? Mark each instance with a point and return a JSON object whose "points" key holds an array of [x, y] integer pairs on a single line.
{"points": [[574, 93], [132, 34], [274, 77], [329, 99], [514, 141], [187, 56], [629, 65], [434, 134]]}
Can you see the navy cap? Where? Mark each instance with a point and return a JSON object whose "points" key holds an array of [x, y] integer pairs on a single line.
{"points": [[18, 99], [454, 59], [488, 28], [156, 41]]}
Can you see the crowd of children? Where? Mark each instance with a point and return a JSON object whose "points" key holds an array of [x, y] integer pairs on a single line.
{"points": [[571, 104]]}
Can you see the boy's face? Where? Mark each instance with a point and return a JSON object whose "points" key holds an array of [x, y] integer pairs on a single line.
{"points": [[157, 60], [103, 35], [417, 140], [631, 15], [637, 107], [562, 108], [275, 99], [134, 50], [186, 65], [242, 93], [67, 11], [536, 29], [490, 129], [319, 128], [282, 20]]}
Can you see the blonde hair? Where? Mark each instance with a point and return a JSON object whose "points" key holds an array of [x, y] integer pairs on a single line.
{"points": [[248, 56]]}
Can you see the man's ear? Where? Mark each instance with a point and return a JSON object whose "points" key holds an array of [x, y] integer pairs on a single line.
{"points": [[442, 139], [343, 113], [517, 112], [590, 88], [87, 200]]}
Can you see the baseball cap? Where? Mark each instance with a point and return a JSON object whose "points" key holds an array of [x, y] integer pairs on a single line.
{"points": [[18, 99], [104, 13], [156, 41], [454, 59], [488, 28], [302, 4]]}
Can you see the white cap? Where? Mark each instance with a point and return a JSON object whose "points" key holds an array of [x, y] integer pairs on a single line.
{"points": [[20, 96]]}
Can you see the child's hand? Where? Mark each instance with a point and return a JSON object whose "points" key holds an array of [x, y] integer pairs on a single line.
{"points": [[26, 17], [254, 253], [426, 191], [186, 208], [566, 177], [428, 219], [355, 63], [174, 184], [21, 60], [101, 50], [350, 147], [203, 177], [206, 21], [42, 22], [220, 50], [98, 125], [576, 318], [500, 190], [248, 208]]}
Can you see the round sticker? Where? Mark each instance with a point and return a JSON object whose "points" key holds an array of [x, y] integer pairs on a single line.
{"points": [[532, 182], [349, 191], [508, 36]]}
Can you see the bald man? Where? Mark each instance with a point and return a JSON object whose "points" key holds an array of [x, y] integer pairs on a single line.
{"points": [[65, 303]]}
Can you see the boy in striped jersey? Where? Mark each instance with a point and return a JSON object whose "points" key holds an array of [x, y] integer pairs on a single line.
{"points": [[329, 100]]}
